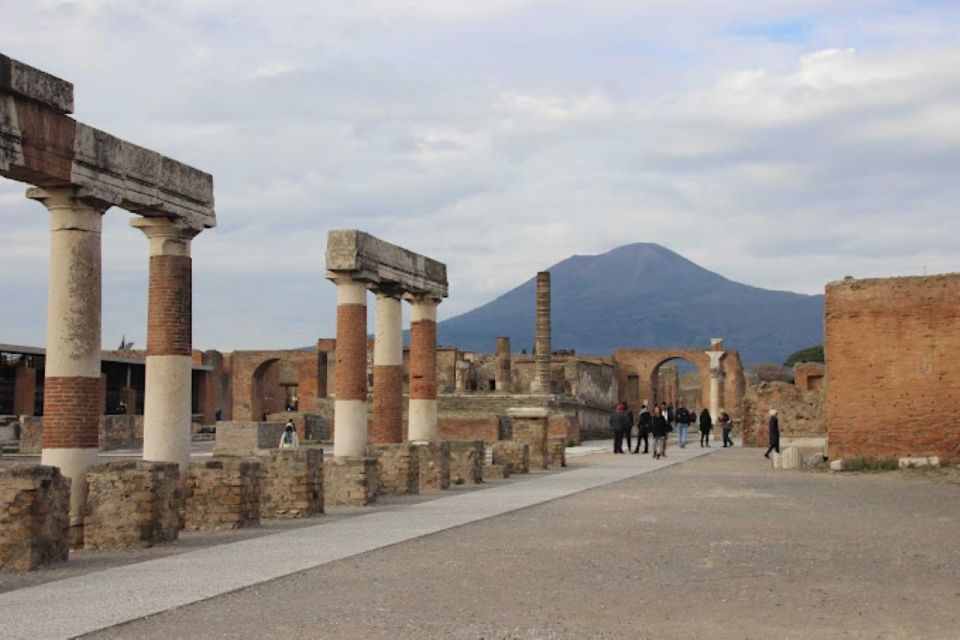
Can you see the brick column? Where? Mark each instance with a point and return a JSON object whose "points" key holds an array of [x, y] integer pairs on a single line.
{"points": [[25, 391], [72, 371], [388, 370], [423, 370], [541, 383], [350, 406], [502, 372], [167, 390]]}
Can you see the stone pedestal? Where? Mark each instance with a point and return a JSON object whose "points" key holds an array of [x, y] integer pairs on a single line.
{"points": [[34, 517], [515, 456], [530, 427], [791, 459], [396, 468], [291, 483], [132, 504], [495, 472], [350, 482], [466, 461], [246, 438], [31, 434], [121, 432], [433, 466], [556, 453], [222, 494]]}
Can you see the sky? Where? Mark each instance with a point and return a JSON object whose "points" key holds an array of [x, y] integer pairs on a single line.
{"points": [[783, 144]]}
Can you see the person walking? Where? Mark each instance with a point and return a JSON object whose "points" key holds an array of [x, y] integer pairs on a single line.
{"points": [[706, 424], [727, 424], [643, 429], [626, 433], [773, 433], [659, 428], [619, 423], [289, 439], [683, 425]]}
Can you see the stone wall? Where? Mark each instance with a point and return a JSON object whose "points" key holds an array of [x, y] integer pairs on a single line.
{"points": [[131, 503], [222, 493], [530, 428], [310, 426], [564, 426], [801, 414], [466, 461], [809, 376], [396, 468], [485, 428], [893, 376], [121, 432], [433, 466], [513, 455], [556, 453], [34, 517], [246, 438], [350, 482], [31, 434], [291, 483]]}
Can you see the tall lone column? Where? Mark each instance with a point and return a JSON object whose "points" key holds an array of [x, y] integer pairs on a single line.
{"points": [[503, 377], [541, 383], [423, 370], [350, 407], [715, 354], [168, 385], [388, 369], [71, 399]]}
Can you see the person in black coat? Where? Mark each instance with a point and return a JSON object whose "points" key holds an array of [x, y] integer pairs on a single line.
{"points": [[706, 424], [659, 427], [619, 422], [773, 433], [643, 430]]}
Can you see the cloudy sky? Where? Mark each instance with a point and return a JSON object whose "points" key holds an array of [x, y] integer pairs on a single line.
{"points": [[782, 143]]}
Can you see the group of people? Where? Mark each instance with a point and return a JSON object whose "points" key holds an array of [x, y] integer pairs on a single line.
{"points": [[659, 423]]}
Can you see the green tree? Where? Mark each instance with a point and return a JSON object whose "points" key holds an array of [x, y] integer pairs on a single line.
{"points": [[810, 354]]}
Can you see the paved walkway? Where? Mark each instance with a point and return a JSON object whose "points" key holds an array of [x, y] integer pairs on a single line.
{"points": [[98, 600]]}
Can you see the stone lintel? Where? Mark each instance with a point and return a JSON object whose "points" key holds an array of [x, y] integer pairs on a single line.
{"points": [[362, 257], [528, 412], [33, 84]]}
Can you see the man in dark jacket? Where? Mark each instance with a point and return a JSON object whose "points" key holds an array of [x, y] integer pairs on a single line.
{"points": [[643, 430], [619, 422]]}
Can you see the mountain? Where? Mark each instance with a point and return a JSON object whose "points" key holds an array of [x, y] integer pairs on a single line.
{"points": [[643, 295]]}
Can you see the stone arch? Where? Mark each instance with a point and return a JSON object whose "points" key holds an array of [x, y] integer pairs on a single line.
{"points": [[655, 385], [261, 378]]}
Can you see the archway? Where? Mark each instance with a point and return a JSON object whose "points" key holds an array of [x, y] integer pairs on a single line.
{"points": [[274, 388], [679, 382]]}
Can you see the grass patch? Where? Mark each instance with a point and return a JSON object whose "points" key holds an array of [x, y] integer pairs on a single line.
{"points": [[870, 464]]}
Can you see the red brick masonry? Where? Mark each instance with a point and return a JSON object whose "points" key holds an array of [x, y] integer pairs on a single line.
{"points": [[169, 314], [71, 408]]}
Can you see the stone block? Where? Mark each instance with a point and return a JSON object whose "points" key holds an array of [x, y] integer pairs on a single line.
{"points": [[433, 466], [469, 427], [495, 472], [397, 469], [370, 258], [31, 434], [291, 483], [132, 503], [836, 465], [246, 438], [557, 452], [121, 432], [792, 458], [908, 463], [530, 426], [513, 455], [466, 461], [222, 493], [350, 482], [776, 460], [34, 517]]}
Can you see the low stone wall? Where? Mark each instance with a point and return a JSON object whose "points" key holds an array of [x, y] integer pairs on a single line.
{"points": [[291, 483], [801, 414], [131, 503], [310, 426], [31, 434], [556, 453], [352, 482], [513, 455], [433, 466], [246, 438], [222, 494], [495, 472], [397, 470], [485, 428], [34, 517], [530, 427], [121, 432], [466, 461]]}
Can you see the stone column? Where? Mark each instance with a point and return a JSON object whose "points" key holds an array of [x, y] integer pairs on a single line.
{"points": [[350, 406], [25, 391], [423, 370], [503, 376], [72, 388], [167, 388], [541, 383], [388, 369], [716, 377]]}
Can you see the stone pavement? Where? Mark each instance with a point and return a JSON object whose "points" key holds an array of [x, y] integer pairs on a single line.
{"points": [[98, 600]]}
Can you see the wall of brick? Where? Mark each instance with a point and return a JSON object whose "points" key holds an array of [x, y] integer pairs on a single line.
{"points": [[893, 375], [485, 428], [34, 517], [801, 414], [249, 368], [24, 391], [556, 453], [246, 438], [221, 494], [532, 432], [291, 483], [808, 376]]}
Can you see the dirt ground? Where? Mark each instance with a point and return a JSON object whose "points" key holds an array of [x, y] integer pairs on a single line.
{"points": [[718, 547]]}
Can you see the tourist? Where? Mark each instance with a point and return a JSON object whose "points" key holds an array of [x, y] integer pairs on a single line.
{"points": [[659, 428], [727, 425], [289, 438], [643, 429], [706, 424], [629, 424], [619, 423], [773, 433], [683, 425], [669, 415]]}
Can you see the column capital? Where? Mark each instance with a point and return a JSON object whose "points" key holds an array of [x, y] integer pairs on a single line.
{"points": [[168, 237], [74, 209], [387, 291]]}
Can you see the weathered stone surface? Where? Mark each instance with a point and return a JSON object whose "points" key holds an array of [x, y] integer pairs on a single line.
{"points": [[556, 453], [310, 426], [34, 517], [132, 504], [792, 458], [222, 493], [291, 483], [530, 427], [802, 414], [31, 434], [397, 469], [495, 472], [907, 463], [121, 432], [25, 81], [466, 461], [246, 438], [836, 465], [373, 260], [350, 481], [433, 466], [515, 456]]}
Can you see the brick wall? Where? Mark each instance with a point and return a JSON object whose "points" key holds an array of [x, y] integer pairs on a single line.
{"points": [[222, 494], [246, 438], [486, 428], [893, 376], [801, 414]]}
